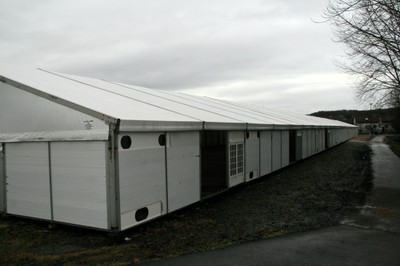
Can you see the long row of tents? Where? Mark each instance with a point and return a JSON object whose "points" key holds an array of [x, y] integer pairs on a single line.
{"points": [[110, 156]]}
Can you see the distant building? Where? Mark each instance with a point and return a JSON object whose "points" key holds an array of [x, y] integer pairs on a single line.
{"points": [[377, 121]]}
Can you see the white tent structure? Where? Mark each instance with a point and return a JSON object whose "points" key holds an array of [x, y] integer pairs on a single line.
{"points": [[110, 156]]}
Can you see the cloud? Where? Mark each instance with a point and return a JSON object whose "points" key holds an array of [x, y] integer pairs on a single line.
{"points": [[239, 50]]}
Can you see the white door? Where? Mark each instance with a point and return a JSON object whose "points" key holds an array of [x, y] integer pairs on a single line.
{"points": [[265, 152], [142, 177], [235, 157], [236, 163], [183, 169], [252, 157], [79, 183], [28, 179]]}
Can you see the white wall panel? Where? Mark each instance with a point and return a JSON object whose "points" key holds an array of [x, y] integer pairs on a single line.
{"points": [[317, 141], [310, 142], [252, 155], [321, 140], [276, 150], [142, 177], [313, 142], [79, 183], [235, 136], [28, 186], [183, 168], [2, 181], [305, 143], [265, 152], [332, 137]]}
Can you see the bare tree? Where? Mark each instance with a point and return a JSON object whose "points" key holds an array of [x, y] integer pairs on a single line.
{"points": [[370, 30]]}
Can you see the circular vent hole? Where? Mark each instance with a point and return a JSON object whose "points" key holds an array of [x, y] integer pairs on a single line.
{"points": [[161, 140], [251, 175], [142, 214], [126, 142]]}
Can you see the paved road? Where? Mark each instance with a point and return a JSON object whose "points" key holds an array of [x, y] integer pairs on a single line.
{"points": [[370, 237]]}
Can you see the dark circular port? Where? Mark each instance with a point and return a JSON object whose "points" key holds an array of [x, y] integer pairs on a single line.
{"points": [[161, 140], [141, 214], [251, 175], [126, 142]]}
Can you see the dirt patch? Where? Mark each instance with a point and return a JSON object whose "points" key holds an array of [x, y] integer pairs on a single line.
{"points": [[313, 193]]}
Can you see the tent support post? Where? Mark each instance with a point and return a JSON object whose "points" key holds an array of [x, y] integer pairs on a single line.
{"points": [[167, 141], [3, 197], [50, 183], [112, 180]]}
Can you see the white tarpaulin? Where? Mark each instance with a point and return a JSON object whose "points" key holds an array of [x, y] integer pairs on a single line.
{"points": [[38, 105], [27, 117]]}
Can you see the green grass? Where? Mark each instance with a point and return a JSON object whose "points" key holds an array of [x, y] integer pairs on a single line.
{"points": [[394, 143]]}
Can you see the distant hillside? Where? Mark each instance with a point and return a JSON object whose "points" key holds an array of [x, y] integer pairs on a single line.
{"points": [[390, 115], [341, 115]]}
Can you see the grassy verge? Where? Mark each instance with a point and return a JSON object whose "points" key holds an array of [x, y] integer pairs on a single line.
{"points": [[394, 143]]}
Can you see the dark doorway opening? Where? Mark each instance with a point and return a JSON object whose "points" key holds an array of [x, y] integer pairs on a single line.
{"points": [[299, 145], [213, 162], [292, 145]]}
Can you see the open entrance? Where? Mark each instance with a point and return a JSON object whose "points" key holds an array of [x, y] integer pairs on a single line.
{"points": [[292, 145], [213, 162]]}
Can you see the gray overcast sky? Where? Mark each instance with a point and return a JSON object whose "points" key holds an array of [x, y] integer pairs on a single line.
{"points": [[263, 52]]}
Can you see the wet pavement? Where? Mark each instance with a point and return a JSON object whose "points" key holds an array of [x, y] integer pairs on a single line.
{"points": [[370, 237], [339, 245], [382, 209]]}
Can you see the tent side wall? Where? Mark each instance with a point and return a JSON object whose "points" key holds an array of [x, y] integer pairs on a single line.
{"points": [[265, 152], [2, 181], [333, 137], [183, 169], [78, 181], [252, 155], [159, 172], [276, 150], [142, 177], [55, 161], [28, 179], [317, 141], [58, 181]]}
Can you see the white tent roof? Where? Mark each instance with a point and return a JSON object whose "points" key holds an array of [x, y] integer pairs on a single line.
{"points": [[143, 109]]}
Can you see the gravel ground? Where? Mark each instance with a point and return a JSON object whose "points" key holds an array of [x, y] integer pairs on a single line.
{"points": [[314, 193]]}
